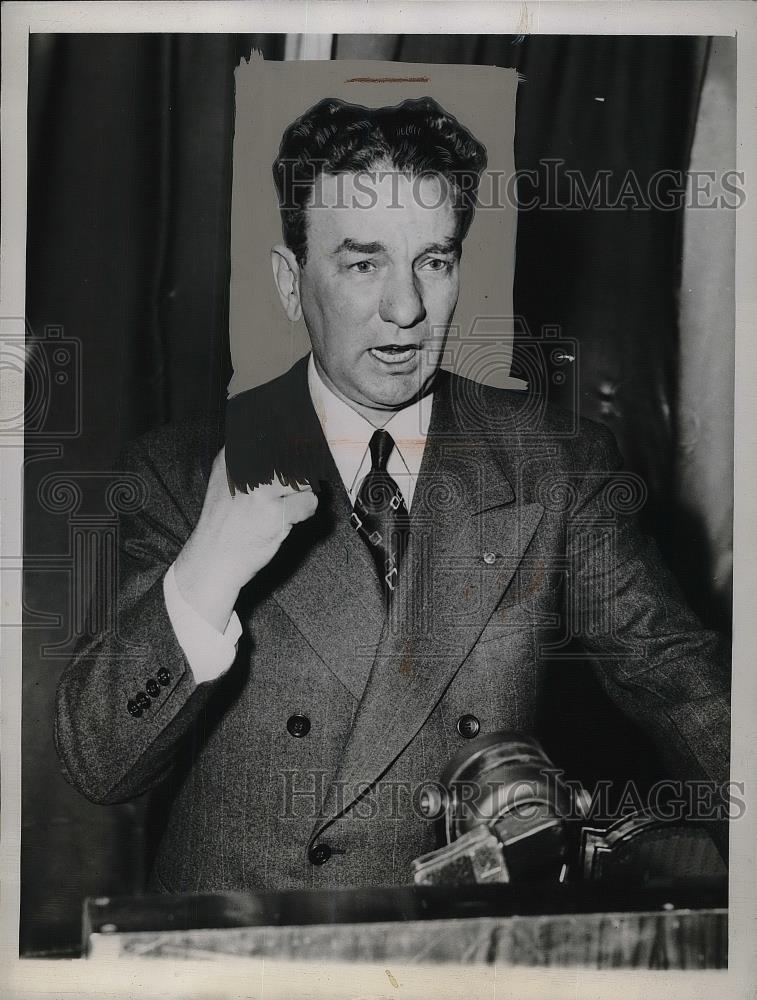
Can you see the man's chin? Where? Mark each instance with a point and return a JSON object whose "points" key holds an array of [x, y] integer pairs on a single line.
{"points": [[389, 392], [401, 391]]}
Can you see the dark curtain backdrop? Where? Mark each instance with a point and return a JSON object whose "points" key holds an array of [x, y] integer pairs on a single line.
{"points": [[128, 227]]}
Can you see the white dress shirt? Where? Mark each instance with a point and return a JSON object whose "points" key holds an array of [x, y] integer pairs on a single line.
{"points": [[210, 652], [348, 434]]}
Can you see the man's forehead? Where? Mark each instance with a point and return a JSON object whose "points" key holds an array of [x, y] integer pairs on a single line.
{"points": [[381, 200]]}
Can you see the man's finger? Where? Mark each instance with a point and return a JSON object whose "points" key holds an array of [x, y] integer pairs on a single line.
{"points": [[299, 506]]}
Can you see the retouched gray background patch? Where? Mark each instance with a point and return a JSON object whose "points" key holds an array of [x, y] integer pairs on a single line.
{"points": [[270, 95]]}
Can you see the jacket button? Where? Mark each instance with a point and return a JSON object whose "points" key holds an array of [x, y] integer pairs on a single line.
{"points": [[152, 687], [319, 854], [468, 726], [164, 676], [142, 700], [298, 725], [133, 708]]}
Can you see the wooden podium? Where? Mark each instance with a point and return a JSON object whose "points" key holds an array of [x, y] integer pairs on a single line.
{"points": [[663, 925]]}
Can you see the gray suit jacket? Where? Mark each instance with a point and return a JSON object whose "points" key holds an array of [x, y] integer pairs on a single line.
{"points": [[521, 540]]}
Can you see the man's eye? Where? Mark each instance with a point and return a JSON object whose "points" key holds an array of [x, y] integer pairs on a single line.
{"points": [[438, 264], [363, 266]]}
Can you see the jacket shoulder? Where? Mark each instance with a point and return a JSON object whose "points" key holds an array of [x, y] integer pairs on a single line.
{"points": [[176, 449], [529, 421], [206, 433]]}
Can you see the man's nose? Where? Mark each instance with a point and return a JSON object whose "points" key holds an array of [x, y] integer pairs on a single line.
{"points": [[401, 301]]}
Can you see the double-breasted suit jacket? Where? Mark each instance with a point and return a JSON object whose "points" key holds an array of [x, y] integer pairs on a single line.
{"points": [[519, 542]]}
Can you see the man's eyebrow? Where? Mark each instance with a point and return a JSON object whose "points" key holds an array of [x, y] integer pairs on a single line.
{"points": [[356, 247], [450, 245]]}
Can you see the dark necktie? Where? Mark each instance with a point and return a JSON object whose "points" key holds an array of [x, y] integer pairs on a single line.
{"points": [[380, 516]]}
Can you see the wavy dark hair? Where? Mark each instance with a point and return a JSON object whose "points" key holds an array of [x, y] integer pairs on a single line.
{"points": [[417, 136]]}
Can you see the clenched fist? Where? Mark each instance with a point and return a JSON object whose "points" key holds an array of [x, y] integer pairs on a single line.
{"points": [[236, 536]]}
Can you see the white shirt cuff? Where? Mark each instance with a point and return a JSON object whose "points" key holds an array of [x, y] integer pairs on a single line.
{"points": [[209, 653]]}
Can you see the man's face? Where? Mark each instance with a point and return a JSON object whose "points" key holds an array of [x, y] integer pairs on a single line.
{"points": [[380, 283]]}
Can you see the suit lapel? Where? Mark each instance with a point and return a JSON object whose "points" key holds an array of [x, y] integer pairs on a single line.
{"points": [[334, 599], [323, 577], [468, 536]]}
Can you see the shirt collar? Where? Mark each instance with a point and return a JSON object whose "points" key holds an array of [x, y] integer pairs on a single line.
{"points": [[347, 432]]}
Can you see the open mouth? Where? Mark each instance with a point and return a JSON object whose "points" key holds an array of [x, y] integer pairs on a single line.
{"points": [[394, 354]]}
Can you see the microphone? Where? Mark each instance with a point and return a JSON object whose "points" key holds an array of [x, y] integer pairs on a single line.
{"points": [[508, 816]]}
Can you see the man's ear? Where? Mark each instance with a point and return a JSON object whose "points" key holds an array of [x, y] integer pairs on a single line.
{"points": [[286, 275]]}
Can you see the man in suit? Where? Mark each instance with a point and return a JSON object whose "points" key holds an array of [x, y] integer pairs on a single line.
{"points": [[375, 570]]}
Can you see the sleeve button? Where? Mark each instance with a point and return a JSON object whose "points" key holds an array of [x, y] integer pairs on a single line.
{"points": [[152, 687], [142, 700], [164, 676], [133, 708]]}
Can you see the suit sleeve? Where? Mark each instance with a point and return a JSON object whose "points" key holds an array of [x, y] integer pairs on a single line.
{"points": [[128, 696], [650, 651]]}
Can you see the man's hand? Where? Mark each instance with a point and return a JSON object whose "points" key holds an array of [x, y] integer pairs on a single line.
{"points": [[236, 536]]}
